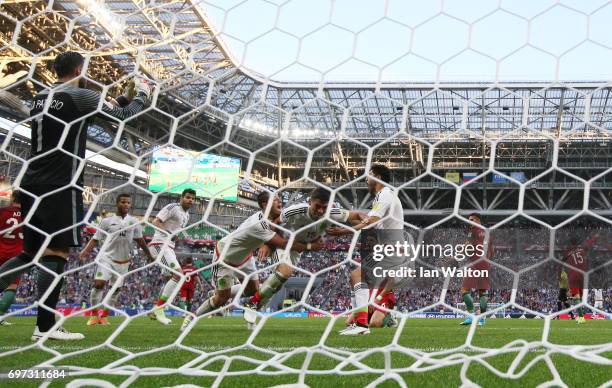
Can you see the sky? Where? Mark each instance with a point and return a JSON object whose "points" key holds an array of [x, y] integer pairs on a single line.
{"points": [[417, 40]]}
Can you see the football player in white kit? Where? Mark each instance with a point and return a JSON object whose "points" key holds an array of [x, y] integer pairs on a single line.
{"points": [[168, 222], [119, 232], [598, 302], [387, 214], [234, 254], [302, 218]]}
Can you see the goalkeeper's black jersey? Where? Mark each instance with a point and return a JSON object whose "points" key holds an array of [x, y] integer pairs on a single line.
{"points": [[65, 111]]}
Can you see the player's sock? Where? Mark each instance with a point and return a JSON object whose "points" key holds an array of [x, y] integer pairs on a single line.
{"points": [[268, 289], [469, 303], [8, 298], [188, 306], [362, 296], [353, 301], [167, 291], [182, 305], [15, 262], [206, 307], [45, 318], [95, 297], [483, 304], [114, 300], [559, 305]]}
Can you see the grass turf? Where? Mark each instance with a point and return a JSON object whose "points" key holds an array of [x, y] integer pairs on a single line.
{"points": [[284, 341]]}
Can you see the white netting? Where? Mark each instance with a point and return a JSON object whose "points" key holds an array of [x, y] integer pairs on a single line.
{"points": [[259, 81]]}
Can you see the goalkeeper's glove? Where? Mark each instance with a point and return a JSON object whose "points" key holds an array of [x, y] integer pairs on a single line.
{"points": [[128, 94]]}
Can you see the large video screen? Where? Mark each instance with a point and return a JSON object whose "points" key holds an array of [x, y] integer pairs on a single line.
{"points": [[173, 170]]}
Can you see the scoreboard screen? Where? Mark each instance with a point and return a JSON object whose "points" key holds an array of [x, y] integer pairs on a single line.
{"points": [[211, 176]]}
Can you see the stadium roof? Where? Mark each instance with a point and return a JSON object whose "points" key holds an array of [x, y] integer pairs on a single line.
{"points": [[209, 99]]}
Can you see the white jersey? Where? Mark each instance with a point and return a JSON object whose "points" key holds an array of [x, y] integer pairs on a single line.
{"points": [[387, 204], [296, 217], [598, 294], [173, 218], [236, 247], [119, 234]]}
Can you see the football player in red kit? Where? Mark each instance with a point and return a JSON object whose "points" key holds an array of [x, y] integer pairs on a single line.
{"points": [[476, 237], [576, 257], [188, 288], [11, 244], [377, 316]]}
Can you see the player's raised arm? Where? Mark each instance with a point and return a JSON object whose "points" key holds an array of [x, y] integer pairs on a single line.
{"points": [[88, 101]]}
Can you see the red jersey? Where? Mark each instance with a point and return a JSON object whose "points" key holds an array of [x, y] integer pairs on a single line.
{"points": [[477, 237], [11, 242], [576, 258], [190, 279], [387, 301]]}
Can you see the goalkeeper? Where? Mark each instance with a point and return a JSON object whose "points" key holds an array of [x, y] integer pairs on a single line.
{"points": [[60, 117]]}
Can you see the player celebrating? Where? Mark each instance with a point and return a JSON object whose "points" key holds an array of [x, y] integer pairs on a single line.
{"points": [[234, 253], [576, 257], [170, 220], [53, 175], [11, 244], [301, 217], [476, 236], [188, 288], [387, 214], [119, 231]]}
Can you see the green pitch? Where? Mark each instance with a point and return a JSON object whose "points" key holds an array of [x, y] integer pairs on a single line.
{"points": [[285, 341]]}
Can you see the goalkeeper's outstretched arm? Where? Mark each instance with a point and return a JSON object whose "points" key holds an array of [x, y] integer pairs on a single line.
{"points": [[87, 101]]}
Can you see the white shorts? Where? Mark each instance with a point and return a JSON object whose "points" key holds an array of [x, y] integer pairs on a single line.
{"points": [[598, 304], [109, 271], [224, 275], [166, 256]]}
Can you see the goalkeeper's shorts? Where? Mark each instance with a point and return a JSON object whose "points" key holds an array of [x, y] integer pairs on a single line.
{"points": [[166, 256], [54, 213]]}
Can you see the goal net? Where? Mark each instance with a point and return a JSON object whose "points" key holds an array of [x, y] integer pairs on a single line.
{"points": [[495, 109]]}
